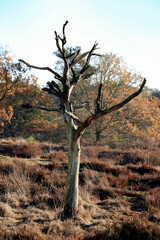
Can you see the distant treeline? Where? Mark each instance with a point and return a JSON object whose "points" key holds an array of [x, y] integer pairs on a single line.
{"points": [[138, 123]]}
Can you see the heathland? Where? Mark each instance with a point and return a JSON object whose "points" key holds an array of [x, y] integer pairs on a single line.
{"points": [[119, 192]]}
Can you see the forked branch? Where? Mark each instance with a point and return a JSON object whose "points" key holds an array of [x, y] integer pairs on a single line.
{"points": [[99, 112], [63, 40], [81, 74], [88, 58]]}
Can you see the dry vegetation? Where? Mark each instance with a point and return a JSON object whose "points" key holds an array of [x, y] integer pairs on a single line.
{"points": [[119, 193]]}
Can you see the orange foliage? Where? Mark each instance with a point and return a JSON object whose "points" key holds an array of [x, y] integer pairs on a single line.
{"points": [[139, 119], [14, 91]]}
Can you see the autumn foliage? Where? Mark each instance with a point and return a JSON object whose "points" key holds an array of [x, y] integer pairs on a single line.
{"points": [[137, 123], [14, 90]]}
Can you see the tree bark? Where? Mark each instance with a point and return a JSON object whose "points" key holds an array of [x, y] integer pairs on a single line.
{"points": [[71, 200]]}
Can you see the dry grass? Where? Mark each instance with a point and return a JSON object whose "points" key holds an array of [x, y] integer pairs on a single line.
{"points": [[116, 201], [21, 149]]}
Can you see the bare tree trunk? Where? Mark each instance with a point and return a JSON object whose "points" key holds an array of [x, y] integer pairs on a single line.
{"points": [[71, 200], [62, 88]]}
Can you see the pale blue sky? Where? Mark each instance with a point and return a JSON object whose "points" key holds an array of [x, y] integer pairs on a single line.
{"points": [[130, 28]]}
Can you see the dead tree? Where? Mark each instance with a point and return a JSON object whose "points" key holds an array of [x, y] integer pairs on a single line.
{"points": [[62, 87]]}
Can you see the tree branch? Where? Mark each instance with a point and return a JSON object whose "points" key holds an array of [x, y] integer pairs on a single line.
{"points": [[42, 68], [63, 54], [100, 112], [87, 75], [53, 89], [97, 101], [86, 65], [120, 105], [57, 42], [64, 35], [75, 118], [63, 40], [88, 58], [55, 85], [77, 59], [76, 55], [41, 108], [82, 105]]}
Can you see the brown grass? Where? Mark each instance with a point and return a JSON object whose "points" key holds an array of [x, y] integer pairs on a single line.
{"points": [[115, 202], [21, 150]]}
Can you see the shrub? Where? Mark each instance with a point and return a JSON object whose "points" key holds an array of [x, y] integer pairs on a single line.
{"points": [[27, 150], [136, 229], [132, 157]]}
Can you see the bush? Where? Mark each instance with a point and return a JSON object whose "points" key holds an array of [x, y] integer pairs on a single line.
{"points": [[136, 229], [27, 150]]}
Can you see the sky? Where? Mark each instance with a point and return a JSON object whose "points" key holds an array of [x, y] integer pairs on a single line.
{"points": [[129, 28]]}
